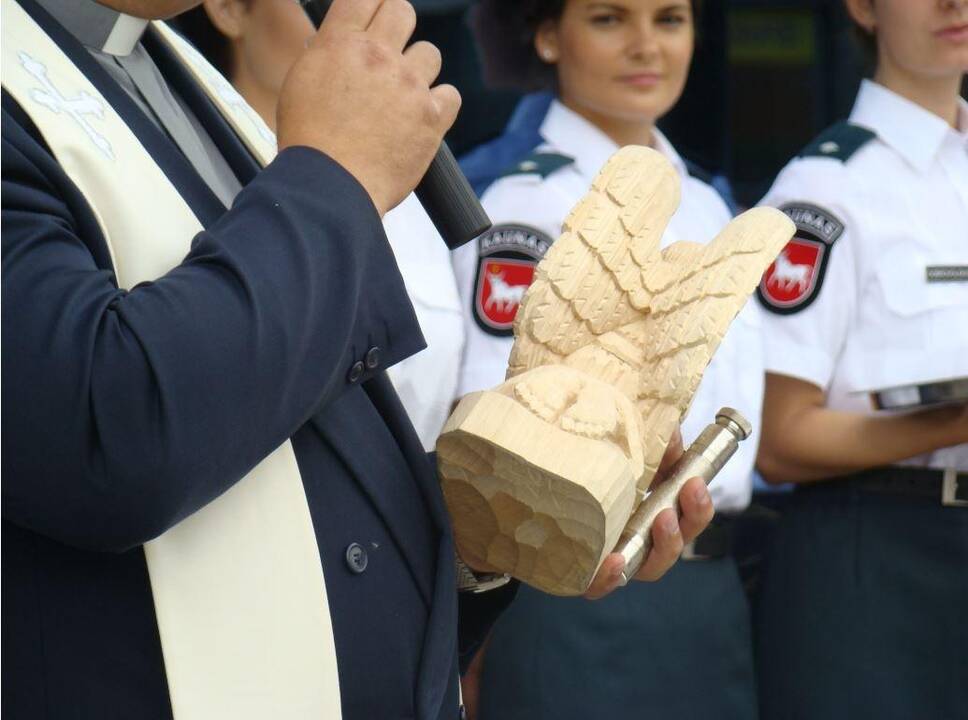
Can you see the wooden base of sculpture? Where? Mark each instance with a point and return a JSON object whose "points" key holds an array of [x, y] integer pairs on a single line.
{"points": [[541, 473], [541, 490]]}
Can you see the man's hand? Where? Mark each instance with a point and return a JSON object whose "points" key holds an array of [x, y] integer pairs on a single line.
{"points": [[357, 96], [669, 533]]}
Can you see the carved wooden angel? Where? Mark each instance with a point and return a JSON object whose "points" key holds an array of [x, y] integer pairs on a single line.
{"points": [[541, 473]]}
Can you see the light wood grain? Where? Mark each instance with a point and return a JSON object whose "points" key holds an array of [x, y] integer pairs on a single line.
{"points": [[611, 340]]}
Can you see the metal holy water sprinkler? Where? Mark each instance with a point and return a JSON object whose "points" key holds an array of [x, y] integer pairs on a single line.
{"points": [[704, 458]]}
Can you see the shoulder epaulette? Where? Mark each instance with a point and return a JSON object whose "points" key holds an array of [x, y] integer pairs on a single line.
{"points": [[838, 142], [539, 163]]}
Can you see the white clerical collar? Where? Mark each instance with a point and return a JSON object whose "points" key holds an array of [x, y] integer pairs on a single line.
{"points": [[97, 27]]}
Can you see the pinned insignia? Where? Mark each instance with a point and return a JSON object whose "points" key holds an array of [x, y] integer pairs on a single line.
{"points": [[839, 142], [794, 279], [507, 256], [539, 163]]}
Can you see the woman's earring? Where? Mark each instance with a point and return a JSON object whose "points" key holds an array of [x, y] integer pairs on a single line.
{"points": [[547, 55]]}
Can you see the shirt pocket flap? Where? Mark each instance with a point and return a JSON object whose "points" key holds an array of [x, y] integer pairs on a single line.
{"points": [[903, 278]]}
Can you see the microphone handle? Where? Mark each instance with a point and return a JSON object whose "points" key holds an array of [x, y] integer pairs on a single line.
{"points": [[444, 192], [450, 201]]}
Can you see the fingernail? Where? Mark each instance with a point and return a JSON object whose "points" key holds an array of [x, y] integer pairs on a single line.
{"points": [[670, 526], [616, 574], [701, 496]]}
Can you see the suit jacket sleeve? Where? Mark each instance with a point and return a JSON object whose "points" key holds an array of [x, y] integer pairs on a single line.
{"points": [[127, 410]]}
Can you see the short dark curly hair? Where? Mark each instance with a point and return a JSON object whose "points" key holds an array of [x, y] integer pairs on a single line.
{"points": [[504, 31]]}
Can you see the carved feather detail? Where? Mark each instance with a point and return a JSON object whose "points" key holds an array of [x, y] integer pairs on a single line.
{"points": [[541, 473]]}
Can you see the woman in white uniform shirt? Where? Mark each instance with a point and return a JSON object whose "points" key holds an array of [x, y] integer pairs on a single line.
{"points": [[862, 608], [617, 67], [253, 43]]}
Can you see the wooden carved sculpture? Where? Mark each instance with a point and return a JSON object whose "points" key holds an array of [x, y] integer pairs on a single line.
{"points": [[541, 473]]}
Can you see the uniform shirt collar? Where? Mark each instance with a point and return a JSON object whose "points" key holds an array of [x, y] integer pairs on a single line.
{"points": [[97, 27], [913, 132], [575, 136]]}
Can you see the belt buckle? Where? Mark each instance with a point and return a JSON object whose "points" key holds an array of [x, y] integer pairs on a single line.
{"points": [[949, 489]]}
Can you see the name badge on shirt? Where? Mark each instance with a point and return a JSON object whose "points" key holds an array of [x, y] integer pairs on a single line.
{"points": [[946, 273]]}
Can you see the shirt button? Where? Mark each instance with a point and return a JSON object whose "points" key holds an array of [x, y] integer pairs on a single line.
{"points": [[356, 558], [372, 358], [356, 372]]}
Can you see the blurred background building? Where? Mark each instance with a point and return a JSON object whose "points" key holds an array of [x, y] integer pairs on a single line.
{"points": [[767, 77]]}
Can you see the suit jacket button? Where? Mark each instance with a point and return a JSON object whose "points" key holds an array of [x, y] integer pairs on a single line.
{"points": [[356, 372], [372, 358], [356, 558]]}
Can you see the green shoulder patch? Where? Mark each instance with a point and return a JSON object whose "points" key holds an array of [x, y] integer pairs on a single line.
{"points": [[838, 142], [539, 163]]}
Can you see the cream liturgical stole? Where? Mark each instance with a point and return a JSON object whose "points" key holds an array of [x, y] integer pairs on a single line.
{"points": [[238, 587]]}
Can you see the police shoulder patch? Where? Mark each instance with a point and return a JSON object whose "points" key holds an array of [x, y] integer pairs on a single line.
{"points": [[507, 256], [794, 279]]}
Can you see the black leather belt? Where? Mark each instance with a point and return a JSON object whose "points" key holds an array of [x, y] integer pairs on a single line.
{"points": [[716, 541], [947, 487]]}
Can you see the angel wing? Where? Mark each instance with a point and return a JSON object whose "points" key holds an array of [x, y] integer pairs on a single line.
{"points": [[606, 300]]}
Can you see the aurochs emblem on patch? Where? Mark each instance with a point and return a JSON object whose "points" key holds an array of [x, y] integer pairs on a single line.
{"points": [[794, 279], [507, 257]]}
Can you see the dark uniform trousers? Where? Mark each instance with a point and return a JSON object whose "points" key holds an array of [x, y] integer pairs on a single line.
{"points": [[863, 608], [676, 647], [126, 411]]}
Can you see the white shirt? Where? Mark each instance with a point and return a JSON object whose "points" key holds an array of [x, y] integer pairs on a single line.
{"points": [[427, 382], [735, 376], [876, 321]]}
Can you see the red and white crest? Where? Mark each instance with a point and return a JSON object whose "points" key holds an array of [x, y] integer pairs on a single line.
{"points": [[793, 279], [501, 285]]}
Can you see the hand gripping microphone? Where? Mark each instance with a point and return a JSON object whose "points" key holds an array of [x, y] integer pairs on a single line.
{"points": [[444, 192]]}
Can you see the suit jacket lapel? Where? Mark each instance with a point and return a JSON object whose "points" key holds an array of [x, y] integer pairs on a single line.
{"points": [[438, 662], [385, 399], [353, 428], [440, 640]]}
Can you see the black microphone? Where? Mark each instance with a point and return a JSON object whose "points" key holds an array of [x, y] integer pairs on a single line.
{"points": [[444, 192]]}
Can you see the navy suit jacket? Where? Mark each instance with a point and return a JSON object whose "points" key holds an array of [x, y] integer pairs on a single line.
{"points": [[125, 411]]}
